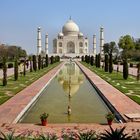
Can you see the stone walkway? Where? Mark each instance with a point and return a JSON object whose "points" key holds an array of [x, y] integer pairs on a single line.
{"points": [[11, 109]]}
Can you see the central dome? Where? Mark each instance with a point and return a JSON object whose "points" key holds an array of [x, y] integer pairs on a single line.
{"points": [[70, 28]]}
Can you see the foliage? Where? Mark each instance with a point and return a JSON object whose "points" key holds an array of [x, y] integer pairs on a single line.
{"points": [[39, 62], [92, 60], [4, 72], [110, 116], [30, 60], [34, 63], [52, 59], [10, 65], [106, 63], [126, 43], [138, 72], [125, 69], [47, 137], [9, 136], [83, 58], [89, 135], [110, 63], [98, 61], [16, 69], [117, 134], [24, 68], [44, 116], [47, 60]]}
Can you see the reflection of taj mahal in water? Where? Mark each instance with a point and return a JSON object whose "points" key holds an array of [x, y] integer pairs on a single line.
{"points": [[70, 42], [70, 78]]}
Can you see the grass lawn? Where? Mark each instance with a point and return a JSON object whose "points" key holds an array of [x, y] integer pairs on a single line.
{"points": [[13, 87], [130, 87]]}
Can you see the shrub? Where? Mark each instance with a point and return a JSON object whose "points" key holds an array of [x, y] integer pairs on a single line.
{"points": [[52, 59], [98, 61], [82, 58], [39, 62], [10, 65], [91, 60], [117, 134], [47, 60]]}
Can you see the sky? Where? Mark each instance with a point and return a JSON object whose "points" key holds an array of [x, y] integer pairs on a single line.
{"points": [[19, 20]]}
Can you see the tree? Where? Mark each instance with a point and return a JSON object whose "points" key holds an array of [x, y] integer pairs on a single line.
{"points": [[110, 63], [52, 59], [91, 60], [125, 69], [34, 63], [39, 62], [106, 63], [16, 69], [86, 59], [82, 58], [30, 60], [98, 61], [4, 72], [47, 60], [24, 69], [126, 43], [138, 72]]}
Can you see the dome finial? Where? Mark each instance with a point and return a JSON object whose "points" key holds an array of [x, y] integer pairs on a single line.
{"points": [[70, 18]]}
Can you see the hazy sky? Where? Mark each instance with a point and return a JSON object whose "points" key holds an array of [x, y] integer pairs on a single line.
{"points": [[19, 19]]}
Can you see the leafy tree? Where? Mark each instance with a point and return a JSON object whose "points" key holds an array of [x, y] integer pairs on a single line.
{"points": [[4, 72], [47, 60], [125, 69], [30, 60], [34, 63], [110, 63], [126, 43], [106, 63], [16, 69]]}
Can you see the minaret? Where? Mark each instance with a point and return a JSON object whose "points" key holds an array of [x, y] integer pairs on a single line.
{"points": [[94, 45], [46, 44], [101, 41], [39, 46]]}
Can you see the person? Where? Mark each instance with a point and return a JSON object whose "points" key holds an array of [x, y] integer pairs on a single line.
{"points": [[69, 110]]}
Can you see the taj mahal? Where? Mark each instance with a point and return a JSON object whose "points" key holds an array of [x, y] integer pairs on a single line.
{"points": [[70, 42]]}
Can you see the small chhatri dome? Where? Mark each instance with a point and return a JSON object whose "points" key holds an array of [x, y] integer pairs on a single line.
{"points": [[60, 34], [70, 28], [80, 34]]}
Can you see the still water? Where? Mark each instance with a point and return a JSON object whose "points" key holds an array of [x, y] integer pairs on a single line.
{"points": [[69, 88]]}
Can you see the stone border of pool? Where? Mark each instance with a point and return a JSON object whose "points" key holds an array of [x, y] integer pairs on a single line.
{"points": [[119, 101]]}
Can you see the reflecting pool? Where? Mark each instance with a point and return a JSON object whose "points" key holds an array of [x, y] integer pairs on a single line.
{"points": [[69, 88]]}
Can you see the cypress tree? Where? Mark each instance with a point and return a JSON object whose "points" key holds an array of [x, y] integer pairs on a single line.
{"points": [[52, 59], [42, 63], [96, 61], [99, 59], [91, 60], [110, 63], [30, 60], [24, 70], [106, 63], [4, 72], [39, 62], [34, 63], [125, 69], [86, 59], [16, 70], [138, 72], [82, 58], [47, 60]]}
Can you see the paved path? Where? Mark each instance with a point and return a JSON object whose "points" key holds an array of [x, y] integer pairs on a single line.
{"points": [[121, 102], [11, 109]]}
